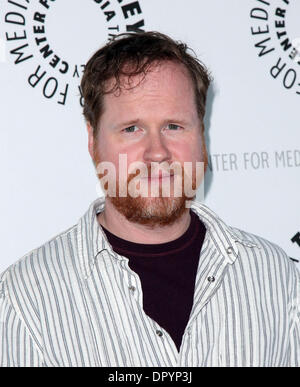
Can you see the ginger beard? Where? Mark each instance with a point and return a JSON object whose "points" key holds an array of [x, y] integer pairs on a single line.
{"points": [[161, 210]]}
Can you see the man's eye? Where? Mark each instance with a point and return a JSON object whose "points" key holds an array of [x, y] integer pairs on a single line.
{"points": [[174, 126], [130, 129]]}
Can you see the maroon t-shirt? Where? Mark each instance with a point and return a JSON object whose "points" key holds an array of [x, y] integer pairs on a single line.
{"points": [[167, 272]]}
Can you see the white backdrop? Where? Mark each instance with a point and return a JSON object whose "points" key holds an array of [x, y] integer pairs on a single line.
{"points": [[252, 122]]}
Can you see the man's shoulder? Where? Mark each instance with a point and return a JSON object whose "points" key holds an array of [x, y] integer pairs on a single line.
{"points": [[265, 254], [251, 245], [258, 241], [28, 269]]}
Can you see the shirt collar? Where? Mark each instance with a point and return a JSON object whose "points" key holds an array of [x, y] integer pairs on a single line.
{"points": [[224, 237], [92, 239]]}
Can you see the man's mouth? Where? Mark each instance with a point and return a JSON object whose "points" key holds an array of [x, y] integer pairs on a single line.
{"points": [[160, 176]]}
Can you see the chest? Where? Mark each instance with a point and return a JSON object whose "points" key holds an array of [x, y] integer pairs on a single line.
{"points": [[234, 324]]}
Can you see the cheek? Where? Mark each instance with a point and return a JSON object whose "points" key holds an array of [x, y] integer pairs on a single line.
{"points": [[200, 148], [189, 151], [121, 158], [106, 148]]}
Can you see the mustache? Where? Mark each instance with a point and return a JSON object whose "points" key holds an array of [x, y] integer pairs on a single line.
{"points": [[148, 173], [153, 172]]}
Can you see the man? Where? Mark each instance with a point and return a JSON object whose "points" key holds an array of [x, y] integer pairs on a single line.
{"points": [[149, 276]]}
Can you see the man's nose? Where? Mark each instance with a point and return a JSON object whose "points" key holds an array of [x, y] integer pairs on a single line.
{"points": [[156, 148]]}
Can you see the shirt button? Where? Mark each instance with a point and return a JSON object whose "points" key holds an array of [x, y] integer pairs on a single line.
{"points": [[211, 279], [132, 288], [159, 333], [229, 250]]}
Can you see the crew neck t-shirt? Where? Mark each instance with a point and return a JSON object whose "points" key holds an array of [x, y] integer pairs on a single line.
{"points": [[167, 272]]}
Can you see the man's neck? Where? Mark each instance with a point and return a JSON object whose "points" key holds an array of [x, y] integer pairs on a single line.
{"points": [[118, 225]]}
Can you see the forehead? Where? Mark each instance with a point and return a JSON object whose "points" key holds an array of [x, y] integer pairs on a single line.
{"points": [[166, 79], [156, 77]]}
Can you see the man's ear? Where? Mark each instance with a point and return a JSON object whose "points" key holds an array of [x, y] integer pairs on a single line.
{"points": [[90, 140]]}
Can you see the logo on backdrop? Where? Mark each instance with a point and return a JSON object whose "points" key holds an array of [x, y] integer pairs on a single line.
{"points": [[296, 239], [276, 33], [53, 39]]}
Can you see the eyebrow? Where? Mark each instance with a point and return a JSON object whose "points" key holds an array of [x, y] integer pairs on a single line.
{"points": [[139, 121], [127, 123]]}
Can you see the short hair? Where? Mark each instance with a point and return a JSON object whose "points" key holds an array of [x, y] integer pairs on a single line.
{"points": [[140, 50]]}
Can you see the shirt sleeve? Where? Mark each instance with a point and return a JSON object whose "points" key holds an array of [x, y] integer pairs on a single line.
{"points": [[17, 348], [294, 360]]}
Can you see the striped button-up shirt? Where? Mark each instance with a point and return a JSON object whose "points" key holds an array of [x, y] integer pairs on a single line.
{"points": [[75, 302]]}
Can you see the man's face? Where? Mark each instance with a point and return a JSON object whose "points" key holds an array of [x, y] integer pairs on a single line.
{"points": [[156, 121]]}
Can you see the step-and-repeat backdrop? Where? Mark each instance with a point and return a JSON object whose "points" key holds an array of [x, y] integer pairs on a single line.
{"points": [[252, 48]]}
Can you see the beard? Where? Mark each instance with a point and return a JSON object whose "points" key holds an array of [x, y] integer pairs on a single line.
{"points": [[151, 211], [160, 210]]}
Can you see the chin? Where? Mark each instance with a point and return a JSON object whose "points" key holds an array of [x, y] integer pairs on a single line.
{"points": [[151, 211]]}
